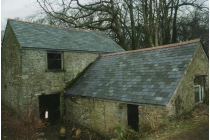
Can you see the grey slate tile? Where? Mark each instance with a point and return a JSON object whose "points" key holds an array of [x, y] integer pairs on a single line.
{"points": [[42, 36], [151, 80]]}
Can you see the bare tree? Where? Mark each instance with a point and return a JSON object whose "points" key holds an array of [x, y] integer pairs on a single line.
{"points": [[133, 24]]}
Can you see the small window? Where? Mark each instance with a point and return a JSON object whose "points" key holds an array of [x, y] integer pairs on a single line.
{"points": [[198, 93], [54, 60], [199, 83]]}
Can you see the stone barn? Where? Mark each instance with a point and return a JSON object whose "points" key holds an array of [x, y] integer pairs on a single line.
{"points": [[94, 82], [137, 88], [39, 61]]}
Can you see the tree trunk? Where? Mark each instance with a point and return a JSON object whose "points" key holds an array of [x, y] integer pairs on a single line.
{"points": [[174, 35], [117, 26], [148, 38], [157, 21], [133, 29]]}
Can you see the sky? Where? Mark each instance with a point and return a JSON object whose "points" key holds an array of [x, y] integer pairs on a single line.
{"points": [[17, 8], [21, 9]]}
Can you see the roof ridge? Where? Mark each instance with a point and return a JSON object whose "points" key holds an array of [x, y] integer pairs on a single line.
{"points": [[154, 48], [56, 26]]}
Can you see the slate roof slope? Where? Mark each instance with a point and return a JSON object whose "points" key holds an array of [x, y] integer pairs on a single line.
{"points": [[143, 77], [32, 35]]}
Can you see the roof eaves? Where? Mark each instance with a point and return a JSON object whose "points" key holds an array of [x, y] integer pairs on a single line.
{"points": [[37, 48], [104, 99]]}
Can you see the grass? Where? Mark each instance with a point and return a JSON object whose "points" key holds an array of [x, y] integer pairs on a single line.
{"points": [[192, 126]]}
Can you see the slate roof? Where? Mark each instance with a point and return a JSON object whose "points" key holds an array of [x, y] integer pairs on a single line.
{"points": [[143, 77], [32, 35]]}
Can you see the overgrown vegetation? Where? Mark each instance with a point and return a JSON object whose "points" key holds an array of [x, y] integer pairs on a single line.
{"points": [[188, 126], [193, 125], [128, 134], [153, 121], [30, 128], [18, 128]]}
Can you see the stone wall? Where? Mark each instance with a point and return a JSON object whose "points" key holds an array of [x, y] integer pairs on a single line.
{"points": [[183, 99], [10, 70], [38, 80], [25, 75], [105, 117], [152, 117], [101, 116]]}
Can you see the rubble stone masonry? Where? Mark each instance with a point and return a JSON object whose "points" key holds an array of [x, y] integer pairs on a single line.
{"points": [[25, 75]]}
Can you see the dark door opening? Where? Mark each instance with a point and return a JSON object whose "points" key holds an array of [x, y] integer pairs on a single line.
{"points": [[133, 117], [52, 104]]}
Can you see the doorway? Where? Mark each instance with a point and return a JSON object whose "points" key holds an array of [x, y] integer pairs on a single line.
{"points": [[133, 117], [52, 104]]}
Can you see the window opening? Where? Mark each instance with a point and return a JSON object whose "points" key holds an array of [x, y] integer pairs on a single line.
{"points": [[54, 60], [199, 83], [198, 93]]}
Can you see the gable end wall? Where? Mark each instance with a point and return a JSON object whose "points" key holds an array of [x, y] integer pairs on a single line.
{"points": [[11, 70], [183, 100]]}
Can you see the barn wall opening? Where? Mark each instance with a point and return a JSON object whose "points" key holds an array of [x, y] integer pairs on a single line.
{"points": [[199, 88], [133, 117], [52, 104], [54, 60]]}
